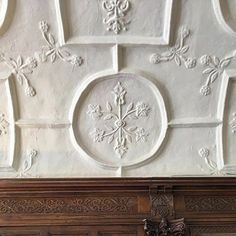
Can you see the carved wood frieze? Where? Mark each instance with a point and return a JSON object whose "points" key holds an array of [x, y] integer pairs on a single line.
{"points": [[210, 203], [76, 205], [207, 229]]}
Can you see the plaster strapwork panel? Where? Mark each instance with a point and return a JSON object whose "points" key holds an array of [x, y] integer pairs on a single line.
{"points": [[4, 14], [114, 21], [226, 131], [118, 120], [8, 131], [225, 15]]}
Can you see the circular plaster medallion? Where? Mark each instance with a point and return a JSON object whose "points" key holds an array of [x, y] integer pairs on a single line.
{"points": [[118, 120]]}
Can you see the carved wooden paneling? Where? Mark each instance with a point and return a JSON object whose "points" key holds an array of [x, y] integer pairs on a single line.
{"points": [[211, 230], [77, 205], [20, 232], [115, 207], [210, 203], [162, 204]]}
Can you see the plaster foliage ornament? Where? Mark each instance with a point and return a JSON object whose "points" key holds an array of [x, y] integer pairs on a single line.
{"points": [[53, 50], [28, 163], [120, 132], [233, 123], [177, 52], [214, 69], [21, 69], [205, 153], [3, 125], [115, 15]]}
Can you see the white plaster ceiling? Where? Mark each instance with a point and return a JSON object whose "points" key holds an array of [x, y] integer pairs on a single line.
{"points": [[103, 88]]}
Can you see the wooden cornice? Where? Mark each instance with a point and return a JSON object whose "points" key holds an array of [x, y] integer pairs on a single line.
{"points": [[198, 204]]}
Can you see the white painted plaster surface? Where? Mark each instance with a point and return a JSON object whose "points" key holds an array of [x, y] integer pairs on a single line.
{"points": [[65, 65]]}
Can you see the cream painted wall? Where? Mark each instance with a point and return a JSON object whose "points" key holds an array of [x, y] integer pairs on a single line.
{"points": [[117, 88]]}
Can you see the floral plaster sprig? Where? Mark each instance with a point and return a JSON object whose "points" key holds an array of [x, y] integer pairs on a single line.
{"points": [[176, 53], [28, 163], [53, 50], [214, 69], [21, 69], [205, 153]]}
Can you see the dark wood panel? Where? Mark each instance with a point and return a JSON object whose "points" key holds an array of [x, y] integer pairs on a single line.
{"points": [[114, 207]]}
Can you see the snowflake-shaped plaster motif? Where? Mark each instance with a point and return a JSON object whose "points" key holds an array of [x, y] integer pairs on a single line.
{"points": [[120, 132]]}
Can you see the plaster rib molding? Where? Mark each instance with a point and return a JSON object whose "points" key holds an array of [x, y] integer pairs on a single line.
{"points": [[115, 14], [7, 123], [11, 124], [228, 78], [114, 18], [222, 20], [214, 69], [4, 5], [176, 53], [125, 134]]}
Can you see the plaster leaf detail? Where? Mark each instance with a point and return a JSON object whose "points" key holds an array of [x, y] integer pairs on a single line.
{"points": [[115, 14], [214, 68], [3, 124], [205, 153], [120, 132], [177, 53], [21, 69], [53, 50], [233, 123], [28, 162]]}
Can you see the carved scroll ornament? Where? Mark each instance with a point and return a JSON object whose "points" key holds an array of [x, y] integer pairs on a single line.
{"points": [[165, 228]]}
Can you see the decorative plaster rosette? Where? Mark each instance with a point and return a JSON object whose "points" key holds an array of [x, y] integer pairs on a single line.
{"points": [[113, 118]]}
